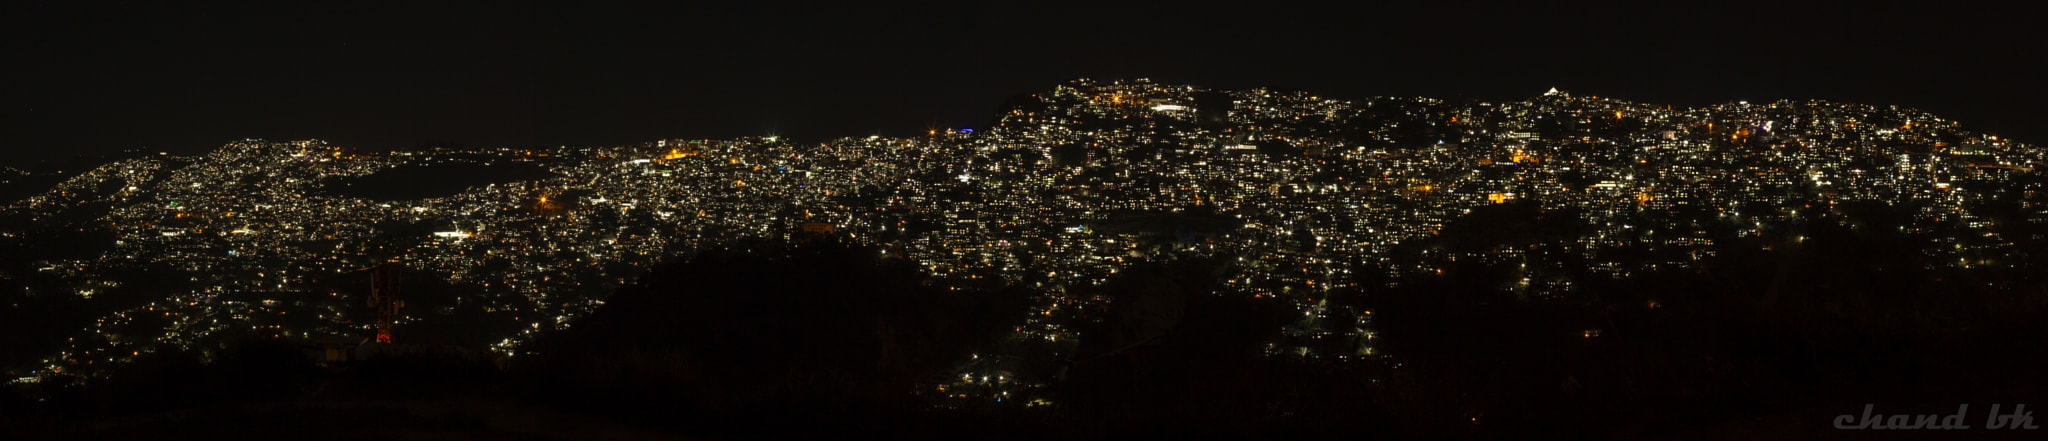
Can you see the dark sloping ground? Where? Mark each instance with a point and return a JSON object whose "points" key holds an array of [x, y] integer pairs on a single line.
{"points": [[355, 420], [411, 182], [824, 341], [824, 338]]}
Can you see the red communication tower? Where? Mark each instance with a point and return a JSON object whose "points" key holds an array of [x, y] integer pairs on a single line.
{"points": [[384, 298]]}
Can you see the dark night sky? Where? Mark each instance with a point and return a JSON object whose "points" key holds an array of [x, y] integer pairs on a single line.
{"points": [[104, 76]]}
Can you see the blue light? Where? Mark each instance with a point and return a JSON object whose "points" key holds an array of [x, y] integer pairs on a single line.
{"points": [[966, 130]]}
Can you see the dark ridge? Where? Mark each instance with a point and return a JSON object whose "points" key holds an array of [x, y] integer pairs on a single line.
{"points": [[414, 182]]}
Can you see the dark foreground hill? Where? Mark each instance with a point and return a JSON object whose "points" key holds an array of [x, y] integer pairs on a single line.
{"points": [[830, 341]]}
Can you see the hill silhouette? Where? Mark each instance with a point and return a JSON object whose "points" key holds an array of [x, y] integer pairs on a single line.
{"points": [[826, 336]]}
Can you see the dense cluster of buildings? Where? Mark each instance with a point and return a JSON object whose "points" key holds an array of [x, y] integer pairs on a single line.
{"points": [[1070, 186]]}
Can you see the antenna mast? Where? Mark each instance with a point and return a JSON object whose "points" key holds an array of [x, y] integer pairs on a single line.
{"points": [[384, 298]]}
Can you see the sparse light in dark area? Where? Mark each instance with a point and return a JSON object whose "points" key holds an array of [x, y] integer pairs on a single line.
{"points": [[998, 221]]}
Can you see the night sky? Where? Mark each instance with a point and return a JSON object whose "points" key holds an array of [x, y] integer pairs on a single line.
{"points": [[88, 77]]}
